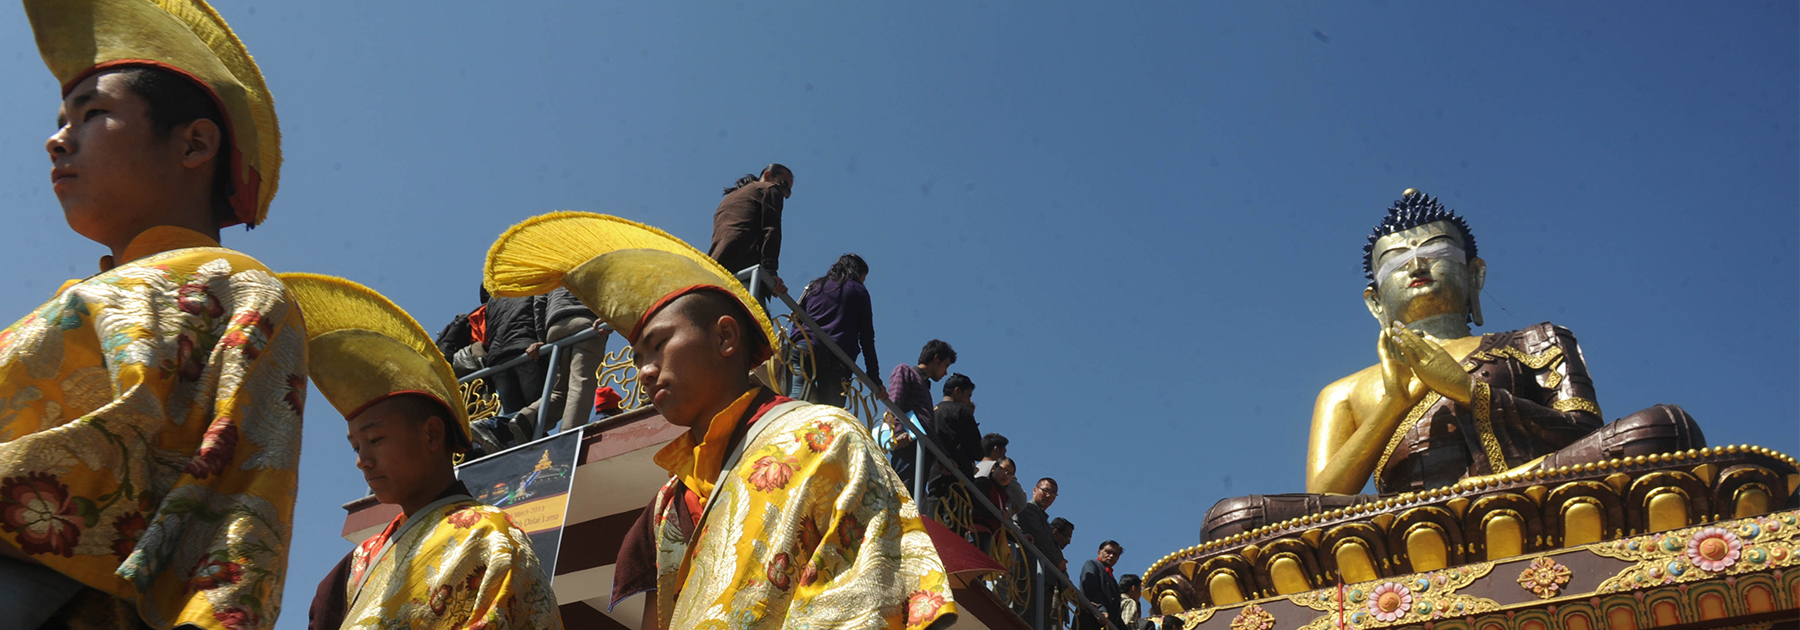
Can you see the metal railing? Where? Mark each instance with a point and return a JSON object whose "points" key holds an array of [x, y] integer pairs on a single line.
{"points": [[556, 349], [1009, 545], [928, 452]]}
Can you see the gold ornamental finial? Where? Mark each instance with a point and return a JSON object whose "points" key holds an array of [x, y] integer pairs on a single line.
{"points": [[1409, 192], [543, 462]]}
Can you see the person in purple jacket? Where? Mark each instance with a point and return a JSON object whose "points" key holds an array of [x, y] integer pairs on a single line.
{"points": [[909, 388], [840, 303]]}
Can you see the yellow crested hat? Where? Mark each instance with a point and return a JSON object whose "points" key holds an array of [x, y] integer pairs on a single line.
{"points": [[78, 38], [624, 271], [363, 349]]}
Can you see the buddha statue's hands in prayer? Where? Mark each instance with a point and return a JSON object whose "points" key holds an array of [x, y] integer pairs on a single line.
{"points": [[1429, 362], [1397, 379]]}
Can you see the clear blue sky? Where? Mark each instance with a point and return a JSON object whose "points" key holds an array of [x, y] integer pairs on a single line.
{"points": [[1139, 225]]}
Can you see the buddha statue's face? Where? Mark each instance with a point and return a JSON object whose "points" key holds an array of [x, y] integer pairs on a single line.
{"points": [[1437, 280]]}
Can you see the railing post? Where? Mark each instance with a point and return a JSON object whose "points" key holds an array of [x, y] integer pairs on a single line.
{"points": [[543, 415], [920, 461], [756, 285], [1039, 590]]}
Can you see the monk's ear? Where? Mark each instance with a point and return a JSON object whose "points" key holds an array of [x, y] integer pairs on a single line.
{"points": [[731, 336], [434, 434], [201, 142]]}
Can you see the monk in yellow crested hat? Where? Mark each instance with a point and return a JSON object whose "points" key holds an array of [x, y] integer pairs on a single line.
{"points": [[380, 369], [184, 65], [819, 531], [148, 469]]}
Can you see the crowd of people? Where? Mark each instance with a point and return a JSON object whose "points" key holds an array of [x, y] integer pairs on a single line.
{"points": [[747, 232], [502, 329]]}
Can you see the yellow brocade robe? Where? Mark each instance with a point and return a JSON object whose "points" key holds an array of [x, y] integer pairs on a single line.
{"points": [[150, 431], [810, 529], [457, 564]]}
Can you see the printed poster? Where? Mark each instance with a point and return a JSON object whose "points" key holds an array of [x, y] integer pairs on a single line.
{"points": [[532, 483]]}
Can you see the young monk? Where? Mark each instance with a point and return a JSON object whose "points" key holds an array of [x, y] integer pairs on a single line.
{"points": [[777, 513], [150, 433], [447, 561]]}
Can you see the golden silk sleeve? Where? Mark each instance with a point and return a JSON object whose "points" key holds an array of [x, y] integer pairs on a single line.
{"points": [[174, 385], [466, 565], [815, 531]]}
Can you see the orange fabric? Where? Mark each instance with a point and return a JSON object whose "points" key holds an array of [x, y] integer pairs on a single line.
{"points": [[696, 508], [478, 325], [157, 240], [698, 461]]}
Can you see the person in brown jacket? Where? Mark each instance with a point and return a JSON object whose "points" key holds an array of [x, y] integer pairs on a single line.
{"points": [[747, 225]]}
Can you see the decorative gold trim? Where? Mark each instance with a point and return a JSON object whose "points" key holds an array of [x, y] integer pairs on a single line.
{"points": [[1534, 361], [1253, 617], [479, 405], [1482, 400], [1193, 618], [1406, 426], [1433, 592], [618, 370], [1576, 403], [1555, 378], [1675, 556], [1434, 495], [1544, 577]]}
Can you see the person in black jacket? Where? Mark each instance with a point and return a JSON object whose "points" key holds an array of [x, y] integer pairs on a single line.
{"points": [[1098, 585], [955, 429], [514, 330], [747, 225]]}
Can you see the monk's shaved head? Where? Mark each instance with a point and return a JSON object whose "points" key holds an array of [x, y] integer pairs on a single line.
{"points": [[704, 308]]}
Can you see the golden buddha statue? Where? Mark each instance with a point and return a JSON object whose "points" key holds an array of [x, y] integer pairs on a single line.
{"points": [[1442, 403]]}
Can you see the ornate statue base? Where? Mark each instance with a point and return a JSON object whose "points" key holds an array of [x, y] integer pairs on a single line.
{"points": [[1738, 573], [1629, 508]]}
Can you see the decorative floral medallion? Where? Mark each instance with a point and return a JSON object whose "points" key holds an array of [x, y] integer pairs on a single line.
{"points": [[1253, 617], [1714, 549], [1399, 601], [1390, 601], [1544, 577], [922, 606], [1699, 553]]}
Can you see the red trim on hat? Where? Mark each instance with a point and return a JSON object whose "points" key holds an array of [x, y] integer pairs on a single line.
{"points": [[451, 421], [768, 344], [243, 193]]}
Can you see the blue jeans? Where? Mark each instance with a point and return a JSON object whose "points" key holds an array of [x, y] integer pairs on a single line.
{"points": [[826, 386]]}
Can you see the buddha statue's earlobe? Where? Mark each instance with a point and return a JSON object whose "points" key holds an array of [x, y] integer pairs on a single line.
{"points": [[1477, 278], [1372, 299]]}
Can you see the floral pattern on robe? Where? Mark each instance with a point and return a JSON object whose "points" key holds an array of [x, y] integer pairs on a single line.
{"points": [[463, 565], [150, 432], [811, 529]]}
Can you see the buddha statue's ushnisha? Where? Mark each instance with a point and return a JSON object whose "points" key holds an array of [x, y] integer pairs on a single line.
{"points": [[1441, 403]]}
